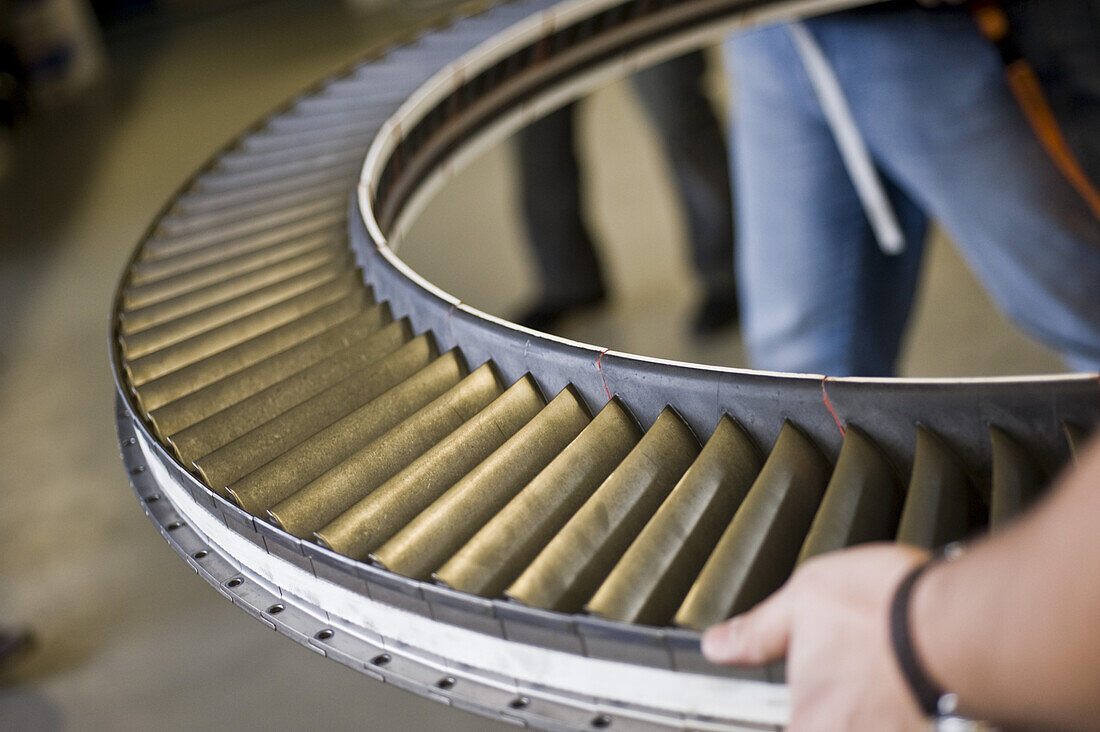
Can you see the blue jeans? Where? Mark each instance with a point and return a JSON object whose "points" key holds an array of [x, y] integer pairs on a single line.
{"points": [[929, 96]]}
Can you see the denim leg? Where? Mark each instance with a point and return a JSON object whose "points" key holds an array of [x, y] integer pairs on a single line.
{"points": [[817, 293], [930, 97], [689, 130], [550, 188]]}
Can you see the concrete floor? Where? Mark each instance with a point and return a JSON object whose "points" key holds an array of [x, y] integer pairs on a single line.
{"points": [[129, 638]]}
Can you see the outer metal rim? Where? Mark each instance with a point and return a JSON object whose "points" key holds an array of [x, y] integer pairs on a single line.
{"points": [[334, 616]]}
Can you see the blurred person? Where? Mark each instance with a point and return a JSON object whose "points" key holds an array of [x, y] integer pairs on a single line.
{"points": [[12, 99], [568, 268], [928, 97], [59, 46], [15, 643], [879, 637]]}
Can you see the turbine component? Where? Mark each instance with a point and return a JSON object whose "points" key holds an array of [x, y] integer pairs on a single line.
{"points": [[510, 522]]}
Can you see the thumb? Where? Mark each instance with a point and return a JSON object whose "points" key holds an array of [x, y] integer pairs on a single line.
{"points": [[753, 638]]}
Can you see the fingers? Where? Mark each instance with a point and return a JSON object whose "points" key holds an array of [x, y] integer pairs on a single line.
{"points": [[753, 638]]}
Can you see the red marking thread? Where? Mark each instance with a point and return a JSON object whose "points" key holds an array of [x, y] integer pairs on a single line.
{"points": [[599, 368], [829, 406]]}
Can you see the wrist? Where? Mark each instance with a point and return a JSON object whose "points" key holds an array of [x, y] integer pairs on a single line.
{"points": [[918, 607]]}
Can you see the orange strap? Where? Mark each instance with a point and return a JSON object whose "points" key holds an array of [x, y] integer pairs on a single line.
{"points": [[1025, 86]]}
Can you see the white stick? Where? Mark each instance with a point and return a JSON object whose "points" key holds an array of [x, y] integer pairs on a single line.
{"points": [[853, 151]]}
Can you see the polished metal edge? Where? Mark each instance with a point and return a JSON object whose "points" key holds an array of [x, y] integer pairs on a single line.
{"points": [[186, 525]]}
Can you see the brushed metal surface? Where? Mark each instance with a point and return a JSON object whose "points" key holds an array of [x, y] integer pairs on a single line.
{"points": [[566, 573], [339, 488], [378, 515], [496, 555], [654, 575], [758, 549], [427, 541], [284, 464]]}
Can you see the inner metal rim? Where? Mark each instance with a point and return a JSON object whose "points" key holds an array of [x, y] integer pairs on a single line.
{"points": [[427, 98]]}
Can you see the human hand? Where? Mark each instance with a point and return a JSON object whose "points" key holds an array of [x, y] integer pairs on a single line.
{"points": [[831, 621]]}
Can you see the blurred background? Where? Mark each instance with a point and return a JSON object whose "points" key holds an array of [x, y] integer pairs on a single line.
{"points": [[105, 109]]}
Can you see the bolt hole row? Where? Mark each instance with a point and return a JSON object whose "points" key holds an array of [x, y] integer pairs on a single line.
{"points": [[603, 721], [174, 525]]}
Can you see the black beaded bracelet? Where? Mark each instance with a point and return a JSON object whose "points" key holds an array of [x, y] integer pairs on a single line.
{"points": [[931, 699]]}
